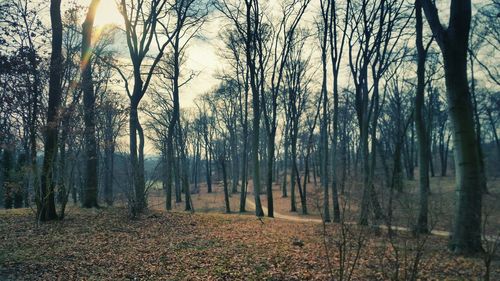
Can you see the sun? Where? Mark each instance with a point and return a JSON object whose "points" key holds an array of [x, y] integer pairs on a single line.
{"points": [[107, 13]]}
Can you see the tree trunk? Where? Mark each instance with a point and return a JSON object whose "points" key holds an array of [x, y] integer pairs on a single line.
{"points": [[169, 169], [324, 120], [109, 151], [295, 170], [36, 95], [208, 169], [494, 129], [453, 42], [365, 168], [90, 194], [176, 173], [377, 209], [46, 209], [244, 162], [294, 177], [422, 138], [250, 48], [226, 188], [284, 182], [235, 161], [467, 224], [269, 184], [335, 196], [135, 159], [477, 121], [62, 197], [186, 187]]}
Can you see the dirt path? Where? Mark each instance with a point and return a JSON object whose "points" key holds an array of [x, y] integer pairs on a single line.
{"points": [[277, 215], [281, 216]]}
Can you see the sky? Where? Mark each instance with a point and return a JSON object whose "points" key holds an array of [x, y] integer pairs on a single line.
{"points": [[201, 58], [201, 54]]}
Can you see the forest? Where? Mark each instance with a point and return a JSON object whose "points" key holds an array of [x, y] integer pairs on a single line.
{"points": [[250, 140]]}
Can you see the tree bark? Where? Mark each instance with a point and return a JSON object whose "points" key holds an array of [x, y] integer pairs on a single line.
{"points": [[453, 43], [250, 54], [46, 209], [109, 151], [284, 184], [477, 122], [422, 138], [324, 117], [226, 188], [90, 193]]}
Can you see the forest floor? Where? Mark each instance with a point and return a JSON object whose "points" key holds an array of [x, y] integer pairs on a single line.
{"points": [[404, 213], [105, 244]]}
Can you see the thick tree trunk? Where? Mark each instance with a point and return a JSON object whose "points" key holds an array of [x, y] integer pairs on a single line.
{"points": [[90, 193], [467, 224], [250, 55], [135, 155], [453, 42], [46, 209]]}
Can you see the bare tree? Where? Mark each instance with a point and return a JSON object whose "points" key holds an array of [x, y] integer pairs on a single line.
{"points": [[22, 31], [453, 42], [189, 18], [423, 145], [46, 209], [374, 37], [297, 80], [91, 180], [337, 44], [141, 30], [282, 39]]}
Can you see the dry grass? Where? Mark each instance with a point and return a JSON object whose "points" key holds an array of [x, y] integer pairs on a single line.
{"points": [[405, 205], [105, 245]]}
